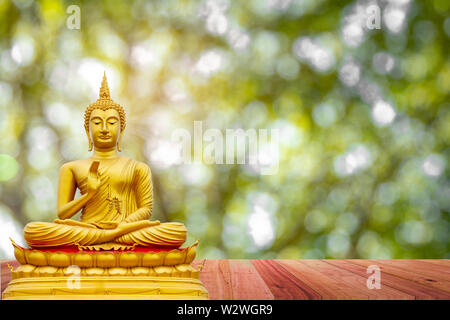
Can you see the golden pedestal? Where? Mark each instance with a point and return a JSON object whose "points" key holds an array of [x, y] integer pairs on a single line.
{"points": [[101, 275], [106, 288]]}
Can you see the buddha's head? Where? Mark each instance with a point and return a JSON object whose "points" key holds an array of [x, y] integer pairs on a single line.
{"points": [[104, 121]]}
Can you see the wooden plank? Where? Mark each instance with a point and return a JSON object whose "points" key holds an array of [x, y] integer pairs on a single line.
{"points": [[441, 262], [408, 270], [437, 272], [420, 291], [441, 265], [246, 283], [216, 278], [283, 284], [6, 273], [329, 288], [198, 263], [356, 281]]}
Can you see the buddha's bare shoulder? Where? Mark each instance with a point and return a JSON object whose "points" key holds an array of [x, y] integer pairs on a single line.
{"points": [[76, 164], [70, 165]]}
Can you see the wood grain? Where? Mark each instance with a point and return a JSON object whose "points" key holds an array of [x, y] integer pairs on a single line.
{"points": [[328, 287], [246, 283], [441, 262], [356, 281], [436, 265], [420, 292], [282, 284], [419, 267], [216, 278], [409, 270]]}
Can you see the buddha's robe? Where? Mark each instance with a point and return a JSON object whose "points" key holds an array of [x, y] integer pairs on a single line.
{"points": [[125, 195]]}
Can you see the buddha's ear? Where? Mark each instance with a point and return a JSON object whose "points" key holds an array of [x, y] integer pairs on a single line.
{"points": [[89, 139], [119, 147]]}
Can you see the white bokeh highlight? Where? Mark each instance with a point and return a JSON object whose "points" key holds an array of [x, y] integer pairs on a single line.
{"points": [[433, 165], [383, 113]]}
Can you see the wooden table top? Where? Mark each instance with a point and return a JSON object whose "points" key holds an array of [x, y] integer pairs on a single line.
{"points": [[315, 279]]}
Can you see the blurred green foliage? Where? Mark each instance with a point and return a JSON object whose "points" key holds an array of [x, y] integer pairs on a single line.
{"points": [[363, 115]]}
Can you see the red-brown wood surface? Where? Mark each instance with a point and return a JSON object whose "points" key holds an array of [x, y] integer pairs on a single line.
{"points": [[218, 274], [283, 284], [247, 283], [412, 271], [356, 282], [419, 291], [6, 273], [314, 279], [327, 287]]}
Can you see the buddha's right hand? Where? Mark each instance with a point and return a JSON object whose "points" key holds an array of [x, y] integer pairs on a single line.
{"points": [[93, 181]]}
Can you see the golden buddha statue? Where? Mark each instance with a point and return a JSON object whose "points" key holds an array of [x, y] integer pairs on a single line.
{"points": [[119, 252], [116, 192]]}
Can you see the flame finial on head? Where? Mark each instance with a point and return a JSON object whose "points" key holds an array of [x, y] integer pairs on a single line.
{"points": [[104, 89]]}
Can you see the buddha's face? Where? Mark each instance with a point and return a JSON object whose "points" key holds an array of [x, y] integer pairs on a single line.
{"points": [[104, 127]]}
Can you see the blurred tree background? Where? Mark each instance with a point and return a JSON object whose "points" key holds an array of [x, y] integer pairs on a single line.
{"points": [[363, 115]]}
